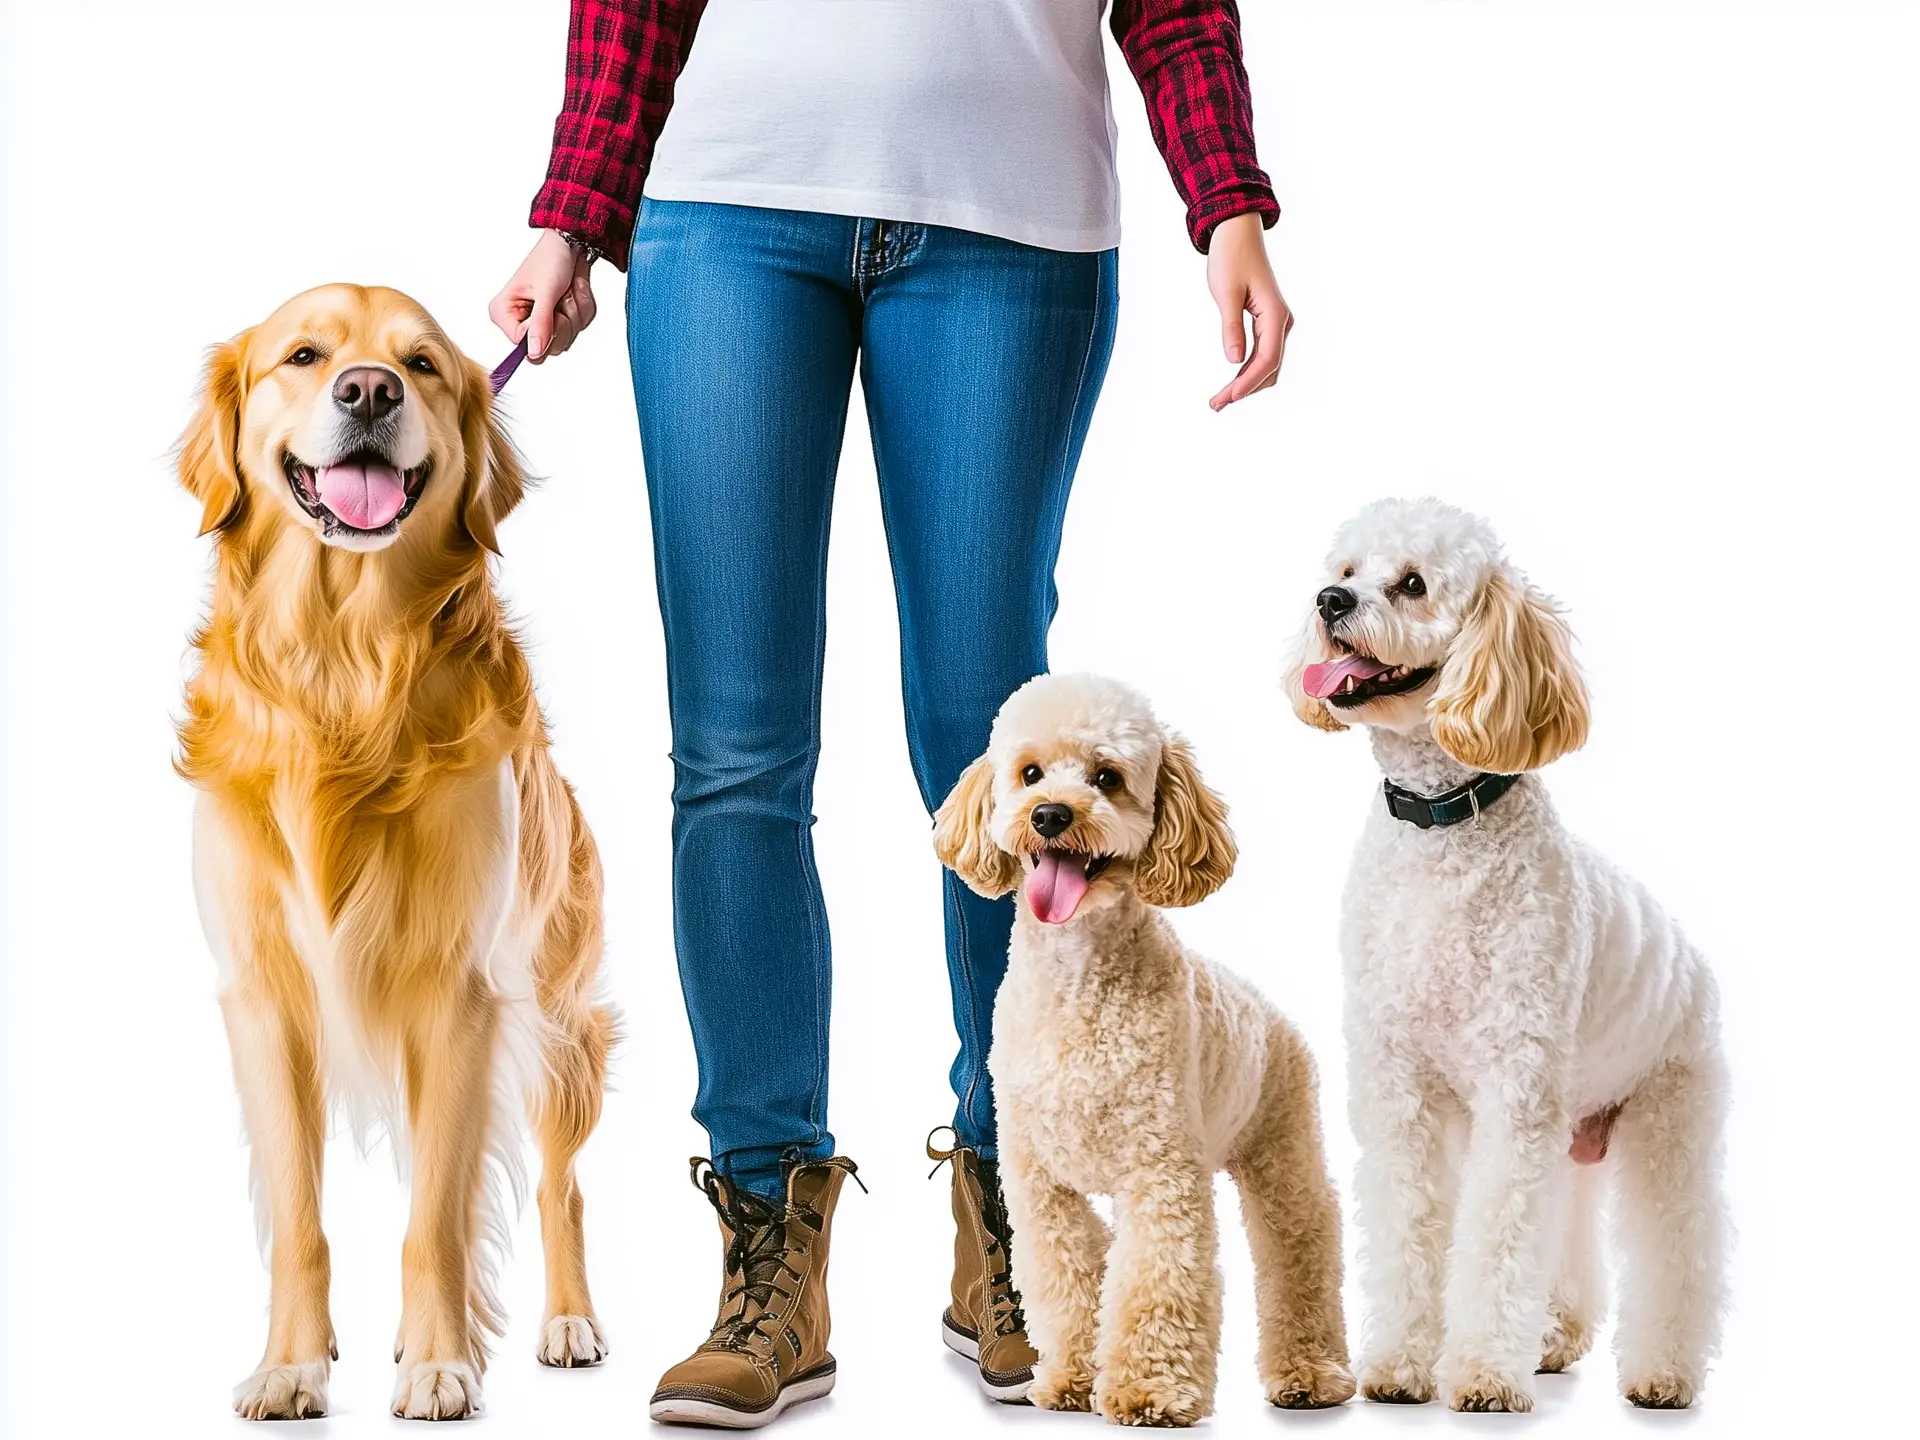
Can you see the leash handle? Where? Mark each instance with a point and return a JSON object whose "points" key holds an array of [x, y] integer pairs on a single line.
{"points": [[503, 372]]}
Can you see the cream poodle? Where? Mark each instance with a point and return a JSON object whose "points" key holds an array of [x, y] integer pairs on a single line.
{"points": [[1524, 1024], [1125, 1065]]}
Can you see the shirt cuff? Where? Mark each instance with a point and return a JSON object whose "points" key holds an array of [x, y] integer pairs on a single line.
{"points": [[1205, 215], [586, 214]]}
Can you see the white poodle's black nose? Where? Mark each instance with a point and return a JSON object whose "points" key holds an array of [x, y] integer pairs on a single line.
{"points": [[1335, 601], [1052, 820], [368, 392]]}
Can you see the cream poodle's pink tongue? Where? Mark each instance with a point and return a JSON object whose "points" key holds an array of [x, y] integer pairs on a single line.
{"points": [[365, 496], [1324, 679], [1055, 887]]}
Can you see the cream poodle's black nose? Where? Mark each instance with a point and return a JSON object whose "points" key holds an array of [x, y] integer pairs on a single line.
{"points": [[1052, 820], [368, 393], [1335, 601]]}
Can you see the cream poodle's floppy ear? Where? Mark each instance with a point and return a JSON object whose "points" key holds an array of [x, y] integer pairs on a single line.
{"points": [[962, 839], [496, 476], [210, 450], [1510, 696], [1316, 713], [1191, 851]]}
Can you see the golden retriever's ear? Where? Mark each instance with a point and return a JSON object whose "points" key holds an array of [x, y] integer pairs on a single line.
{"points": [[496, 476], [1510, 696], [1316, 713], [1191, 851], [962, 835], [210, 450]]}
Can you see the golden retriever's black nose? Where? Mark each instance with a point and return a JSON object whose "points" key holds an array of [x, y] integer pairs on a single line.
{"points": [[1052, 820], [368, 393], [1335, 601]]}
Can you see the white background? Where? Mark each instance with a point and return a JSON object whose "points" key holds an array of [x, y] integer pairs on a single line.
{"points": [[1635, 280]]}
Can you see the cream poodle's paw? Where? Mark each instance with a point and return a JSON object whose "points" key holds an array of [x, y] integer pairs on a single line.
{"points": [[1663, 1390], [570, 1341], [437, 1390], [1309, 1382], [283, 1392], [1158, 1399], [1396, 1380], [1566, 1341], [1056, 1387], [1485, 1388]]}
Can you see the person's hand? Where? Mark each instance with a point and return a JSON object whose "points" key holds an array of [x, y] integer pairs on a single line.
{"points": [[549, 300], [1243, 285]]}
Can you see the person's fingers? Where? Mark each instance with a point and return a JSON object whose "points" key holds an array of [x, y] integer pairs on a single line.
{"points": [[1233, 325], [1262, 367], [565, 332], [585, 307], [540, 329]]}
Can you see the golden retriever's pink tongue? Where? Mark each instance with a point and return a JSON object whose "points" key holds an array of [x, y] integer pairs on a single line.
{"points": [[1055, 887], [364, 496], [1324, 679]]}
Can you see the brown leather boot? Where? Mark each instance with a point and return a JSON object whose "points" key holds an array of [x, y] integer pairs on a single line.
{"points": [[984, 1322], [768, 1348]]}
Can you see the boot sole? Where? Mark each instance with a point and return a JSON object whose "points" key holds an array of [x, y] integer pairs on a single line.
{"points": [[963, 1343], [686, 1410]]}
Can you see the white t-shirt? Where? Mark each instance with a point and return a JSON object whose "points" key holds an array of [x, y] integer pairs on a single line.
{"points": [[984, 115]]}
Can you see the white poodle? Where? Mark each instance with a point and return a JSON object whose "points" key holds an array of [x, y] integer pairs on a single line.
{"points": [[1125, 1065], [1524, 1023]]}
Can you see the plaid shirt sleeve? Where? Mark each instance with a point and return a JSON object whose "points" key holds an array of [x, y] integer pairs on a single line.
{"points": [[623, 57], [1186, 56]]}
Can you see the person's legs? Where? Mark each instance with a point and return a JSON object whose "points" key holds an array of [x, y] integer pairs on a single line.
{"points": [[982, 362], [743, 332]]}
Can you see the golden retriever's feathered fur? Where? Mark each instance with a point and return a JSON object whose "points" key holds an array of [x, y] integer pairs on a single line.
{"points": [[399, 886]]}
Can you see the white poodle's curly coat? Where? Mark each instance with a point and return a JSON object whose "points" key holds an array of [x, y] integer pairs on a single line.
{"points": [[1524, 1024], [1123, 1064]]}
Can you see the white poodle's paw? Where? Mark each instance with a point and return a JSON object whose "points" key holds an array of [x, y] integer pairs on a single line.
{"points": [[283, 1392], [1664, 1389], [1309, 1382], [1566, 1341], [569, 1341], [1396, 1380], [1058, 1387], [437, 1390], [1486, 1387], [1162, 1398]]}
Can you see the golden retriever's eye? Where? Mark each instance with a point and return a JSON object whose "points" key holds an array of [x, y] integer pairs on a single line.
{"points": [[1412, 584], [1032, 775], [305, 355], [421, 365], [1106, 778]]}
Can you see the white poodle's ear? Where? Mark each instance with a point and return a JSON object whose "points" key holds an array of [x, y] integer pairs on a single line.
{"points": [[1510, 696], [1316, 713], [962, 836], [1191, 851]]}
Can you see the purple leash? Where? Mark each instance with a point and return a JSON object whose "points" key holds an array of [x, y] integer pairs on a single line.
{"points": [[503, 372]]}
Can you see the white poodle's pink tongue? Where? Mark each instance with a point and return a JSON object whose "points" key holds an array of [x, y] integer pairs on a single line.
{"points": [[365, 496], [1056, 886], [1326, 678]]}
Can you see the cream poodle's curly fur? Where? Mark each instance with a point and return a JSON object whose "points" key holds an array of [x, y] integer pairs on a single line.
{"points": [[1524, 1024], [1123, 1064]]}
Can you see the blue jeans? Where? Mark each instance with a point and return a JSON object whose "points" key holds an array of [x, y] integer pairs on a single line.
{"points": [[980, 360]]}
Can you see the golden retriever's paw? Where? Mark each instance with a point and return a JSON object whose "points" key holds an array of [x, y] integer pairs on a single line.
{"points": [[1309, 1382], [1396, 1380], [1485, 1388], [1166, 1400], [1058, 1388], [1662, 1390], [1567, 1340], [569, 1341], [283, 1392], [437, 1390]]}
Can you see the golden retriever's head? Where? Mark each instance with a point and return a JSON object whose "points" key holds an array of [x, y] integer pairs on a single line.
{"points": [[348, 414], [1421, 623], [1082, 796]]}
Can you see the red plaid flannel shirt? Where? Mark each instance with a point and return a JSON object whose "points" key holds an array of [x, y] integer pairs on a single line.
{"points": [[623, 57]]}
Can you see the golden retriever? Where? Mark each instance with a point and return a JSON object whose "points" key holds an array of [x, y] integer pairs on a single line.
{"points": [[397, 884]]}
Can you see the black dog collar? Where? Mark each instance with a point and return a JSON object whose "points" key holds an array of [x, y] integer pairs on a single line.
{"points": [[1463, 802]]}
